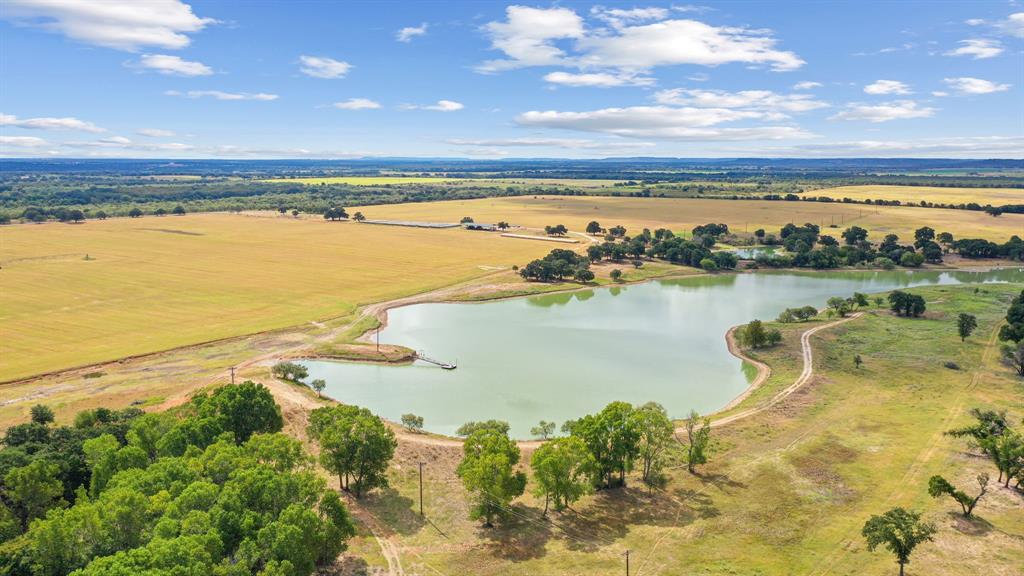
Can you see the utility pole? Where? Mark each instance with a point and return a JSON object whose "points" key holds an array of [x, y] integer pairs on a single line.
{"points": [[421, 489], [627, 562], [232, 375]]}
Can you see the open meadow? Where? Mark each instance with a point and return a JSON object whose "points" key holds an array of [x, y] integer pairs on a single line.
{"points": [[76, 294], [683, 214], [936, 194]]}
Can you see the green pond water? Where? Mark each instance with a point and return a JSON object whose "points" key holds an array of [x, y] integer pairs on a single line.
{"points": [[560, 356]]}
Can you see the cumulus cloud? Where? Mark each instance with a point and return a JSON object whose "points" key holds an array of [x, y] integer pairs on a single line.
{"points": [[967, 85], [527, 37], [119, 24], [219, 95], [409, 32], [885, 112], [598, 79], [775, 105], [23, 141], [959, 146], [638, 39], [979, 48], [1013, 25], [887, 87], [154, 133], [684, 123], [565, 143], [806, 85], [49, 123], [323, 67], [357, 104], [172, 65], [440, 106]]}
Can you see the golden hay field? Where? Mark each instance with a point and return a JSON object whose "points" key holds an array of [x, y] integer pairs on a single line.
{"points": [[915, 194], [155, 283], [683, 214], [362, 180]]}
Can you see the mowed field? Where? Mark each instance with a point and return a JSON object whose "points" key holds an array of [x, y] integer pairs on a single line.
{"points": [[155, 283], [905, 194], [680, 214]]}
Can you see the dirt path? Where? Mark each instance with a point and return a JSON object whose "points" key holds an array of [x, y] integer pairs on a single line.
{"points": [[764, 371]]}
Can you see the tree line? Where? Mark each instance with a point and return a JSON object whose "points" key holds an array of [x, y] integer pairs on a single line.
{"points": [[598, 451], [210, 488]]}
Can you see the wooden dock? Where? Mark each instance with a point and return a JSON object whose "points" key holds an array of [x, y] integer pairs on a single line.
{"points": [[421, 356]]}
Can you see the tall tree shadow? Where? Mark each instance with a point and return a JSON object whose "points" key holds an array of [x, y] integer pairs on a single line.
{"points": [[522, 535]]}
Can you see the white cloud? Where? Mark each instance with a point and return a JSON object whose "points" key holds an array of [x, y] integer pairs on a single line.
{"points": [[959, 146], [566, 143], [876, 113], [1013, 25], [219, 95], [968, 85], [598, 79], [775, 105], [409, 32], [357, 104], [980, 48], [974, 21], [685, 123], [633, 43], [806, 85], [527, 37], [323, 67], [440, 106], [887, 87], [940, 94], [23, 141], [120, 24], [674, 42], [173, 65], [619, 16], [49, 123], [154, 132]]}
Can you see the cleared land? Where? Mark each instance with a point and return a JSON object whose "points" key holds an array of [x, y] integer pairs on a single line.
{"points": [[680, 214], [154, 283], [906, 194]]}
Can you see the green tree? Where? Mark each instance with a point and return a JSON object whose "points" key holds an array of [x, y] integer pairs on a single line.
{"points": [[32, 490], [594, 227], [318, 386], [1014, 355], [289, 371], [698, 436], [755, 335], [938, 486], [857, 361], [859, 299], [563, 470], [358, 217], [655, 431], [543, 430], [179, 210], [243, 409], [412, 422], [1013, 330], [965, 325], [841, 306], [42, 414], [355, 445], [615, 275], [488, 472], [470, 427], [612, 438], [900, 531], [134, 213]]}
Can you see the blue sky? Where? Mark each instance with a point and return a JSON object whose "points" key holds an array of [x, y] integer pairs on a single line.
{"points": [[267, 79]]}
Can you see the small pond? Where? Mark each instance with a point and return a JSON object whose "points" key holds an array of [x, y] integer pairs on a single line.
{"points": [[560, 356]]}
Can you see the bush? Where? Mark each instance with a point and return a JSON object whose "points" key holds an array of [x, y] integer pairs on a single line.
{"points": [[951, 365], [884, 263], [709, 265]]}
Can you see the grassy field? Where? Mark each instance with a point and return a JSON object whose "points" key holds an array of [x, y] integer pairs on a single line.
{"points": [[788, 490], [915, 194], [78, 294], [683, 214]]}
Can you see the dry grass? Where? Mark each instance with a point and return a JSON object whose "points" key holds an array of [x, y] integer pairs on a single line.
{"points": [[681, 214], [156, 283], [915, 194]]}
